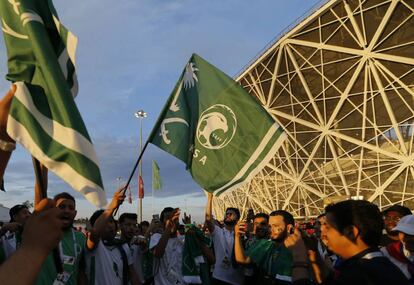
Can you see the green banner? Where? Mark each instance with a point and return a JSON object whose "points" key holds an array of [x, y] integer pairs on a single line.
{"points": [[222, 134]]}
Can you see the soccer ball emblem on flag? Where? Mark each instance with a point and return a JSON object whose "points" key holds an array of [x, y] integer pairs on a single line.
{"points": [[216, 127]]}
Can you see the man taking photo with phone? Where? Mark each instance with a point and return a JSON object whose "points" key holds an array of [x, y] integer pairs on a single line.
{"points": [[272, 258]]}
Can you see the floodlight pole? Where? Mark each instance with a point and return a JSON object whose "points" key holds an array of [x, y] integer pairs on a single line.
{"points": [[140, 114]]}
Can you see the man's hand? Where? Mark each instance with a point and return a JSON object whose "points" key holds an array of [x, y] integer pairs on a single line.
{"points": [[186, 219], [117, 199], [7, 144], [240, 229], [43, 230], [171, 223], [11, 227], [295, 243], [4, 113]]}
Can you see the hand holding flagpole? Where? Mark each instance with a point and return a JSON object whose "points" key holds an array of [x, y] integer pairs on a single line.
{"points": [[7, 144]]}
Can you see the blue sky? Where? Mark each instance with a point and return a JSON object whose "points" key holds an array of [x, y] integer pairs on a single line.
{"points": [[130, 55]]}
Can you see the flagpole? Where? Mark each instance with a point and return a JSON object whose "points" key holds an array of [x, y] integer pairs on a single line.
{"points": [[152, 204], [140, 114], [119, 178], [133, 172], [140, 165]]}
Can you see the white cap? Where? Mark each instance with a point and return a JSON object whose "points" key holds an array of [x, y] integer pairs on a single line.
{"points": [[406, 225]]}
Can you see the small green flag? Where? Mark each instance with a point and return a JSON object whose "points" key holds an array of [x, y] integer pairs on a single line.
{"points": [[156, 178], [43, 115], [222, 134]]}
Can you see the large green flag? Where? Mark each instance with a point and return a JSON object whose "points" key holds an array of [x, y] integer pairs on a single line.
{"points": [[43, 116], [222, 134], [156, 178]]}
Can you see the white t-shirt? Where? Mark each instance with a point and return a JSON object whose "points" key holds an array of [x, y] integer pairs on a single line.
{"points": [[137, 261], [104, 264], [8, 242], [223, 241], [167, 269]]}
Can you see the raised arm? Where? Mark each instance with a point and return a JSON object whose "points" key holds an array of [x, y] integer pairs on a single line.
{"points": [[100, 224], [209, 213], [239, 232]]}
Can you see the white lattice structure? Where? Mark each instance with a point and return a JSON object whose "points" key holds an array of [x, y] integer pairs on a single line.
{"points": [[341, 83]]}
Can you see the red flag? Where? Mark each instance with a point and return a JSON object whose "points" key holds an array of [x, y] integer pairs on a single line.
{"points": [[140, 188], [129, 195]]}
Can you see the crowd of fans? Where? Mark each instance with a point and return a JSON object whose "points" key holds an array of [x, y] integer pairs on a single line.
{"points": [[352, 242]]}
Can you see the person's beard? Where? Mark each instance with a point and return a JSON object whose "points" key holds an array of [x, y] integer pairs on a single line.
{"points": [[281, 237], [391, 233], [230, 223]]}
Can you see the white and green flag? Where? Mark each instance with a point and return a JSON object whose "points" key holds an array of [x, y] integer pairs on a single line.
{"points": [[222, 134], [43, 116]]}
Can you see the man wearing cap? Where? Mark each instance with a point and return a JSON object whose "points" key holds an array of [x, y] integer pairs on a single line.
{"points": [[401, 252], [392, 216], [10, 233]]}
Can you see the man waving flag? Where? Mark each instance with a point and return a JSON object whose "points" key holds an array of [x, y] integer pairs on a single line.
{"points": [[43, 115], [222, 134]]}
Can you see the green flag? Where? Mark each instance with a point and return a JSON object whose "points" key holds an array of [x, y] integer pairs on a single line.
{"points": [[43, 116], [222, 134], [156, 178]]}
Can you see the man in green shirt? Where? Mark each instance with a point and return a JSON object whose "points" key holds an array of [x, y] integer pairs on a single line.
{"points": [[272, 257], [71, 249]]}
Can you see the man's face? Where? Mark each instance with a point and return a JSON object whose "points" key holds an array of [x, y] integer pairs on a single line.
{"points": [[261, 227], [128, 229], [68, 211], [333, 239], [278, 228], [144, 228], [110, 230], [407, 241], [317, 226], [391, 220], [22, 216], [230, 218]]}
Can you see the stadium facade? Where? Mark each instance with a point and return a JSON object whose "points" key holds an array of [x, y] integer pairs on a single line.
{"points": [[341, 83]]}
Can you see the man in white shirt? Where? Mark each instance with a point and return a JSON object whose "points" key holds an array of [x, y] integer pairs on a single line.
{"points": [[10, 233], [223, 239], [168, 250], [108, 260], [137, 244]]}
